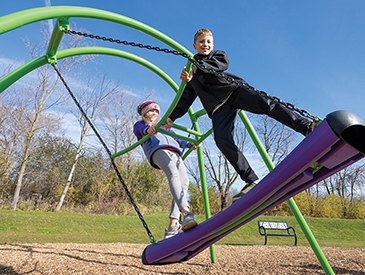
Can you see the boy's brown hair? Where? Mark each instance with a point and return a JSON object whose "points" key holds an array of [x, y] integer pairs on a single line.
{"points": [[202, 31]]}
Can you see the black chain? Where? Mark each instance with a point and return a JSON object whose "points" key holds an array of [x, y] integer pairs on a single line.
{"points": [[152, 239], [290, 106], [128, 43], [241, 83]]}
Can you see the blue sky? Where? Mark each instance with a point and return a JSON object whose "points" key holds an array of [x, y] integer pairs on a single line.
{"points": [[310, 53]]}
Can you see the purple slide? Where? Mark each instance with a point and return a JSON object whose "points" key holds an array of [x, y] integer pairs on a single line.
{"points": [[336, 143]]}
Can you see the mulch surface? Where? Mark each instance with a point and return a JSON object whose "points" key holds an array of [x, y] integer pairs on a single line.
{"points": [[126, 259]]}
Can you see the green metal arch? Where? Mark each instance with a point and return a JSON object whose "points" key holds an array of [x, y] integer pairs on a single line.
{"points": [[21, 18], [43, 60]]}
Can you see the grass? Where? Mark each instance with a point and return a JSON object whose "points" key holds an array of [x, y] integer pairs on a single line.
{"points": [[65, 227]]}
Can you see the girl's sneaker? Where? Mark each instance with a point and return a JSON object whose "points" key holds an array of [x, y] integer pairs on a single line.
{"points": [[188, 221], [173, 231]]}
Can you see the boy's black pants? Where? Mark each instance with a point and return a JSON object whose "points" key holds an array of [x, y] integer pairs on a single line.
{"points": [[223, 124]]}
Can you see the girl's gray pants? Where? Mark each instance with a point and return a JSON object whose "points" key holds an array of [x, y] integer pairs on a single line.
{"points": [[173, 166]]}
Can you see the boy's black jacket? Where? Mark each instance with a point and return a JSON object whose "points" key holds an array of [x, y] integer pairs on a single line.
{"points": [[210, 88]]}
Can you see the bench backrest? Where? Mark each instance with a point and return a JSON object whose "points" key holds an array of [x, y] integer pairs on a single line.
{"points": [[273, 225]]}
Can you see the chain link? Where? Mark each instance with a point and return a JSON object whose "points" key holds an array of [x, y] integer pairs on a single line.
{"points": [[290, 106], [128, 43], [152, 239]]}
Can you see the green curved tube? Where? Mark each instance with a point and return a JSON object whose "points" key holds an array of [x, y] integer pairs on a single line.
{"points": [[21, 18], [9, 79]]}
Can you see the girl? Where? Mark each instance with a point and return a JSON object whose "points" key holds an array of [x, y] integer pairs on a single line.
{"points": [[164, 152]]}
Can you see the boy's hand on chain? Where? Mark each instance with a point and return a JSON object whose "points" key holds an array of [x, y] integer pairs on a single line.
{"points": [[185, 75]]}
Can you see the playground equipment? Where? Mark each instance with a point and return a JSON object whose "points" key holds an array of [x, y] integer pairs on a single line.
{"points": [[332, 149], [336, 143]]}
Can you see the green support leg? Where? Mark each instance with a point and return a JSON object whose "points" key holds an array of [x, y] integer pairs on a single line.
{"points": [[213, 257], [293, 206]]}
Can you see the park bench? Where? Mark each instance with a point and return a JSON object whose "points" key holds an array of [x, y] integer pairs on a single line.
{"points": [[274, 228]]}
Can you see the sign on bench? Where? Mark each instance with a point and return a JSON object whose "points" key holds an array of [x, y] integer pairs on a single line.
{"points": [[275, 228]]}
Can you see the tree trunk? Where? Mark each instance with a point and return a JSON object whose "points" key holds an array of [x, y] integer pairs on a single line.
{"points": [[24, 162], [19, 183], [68, 183], [73, 168], [223, 201]]}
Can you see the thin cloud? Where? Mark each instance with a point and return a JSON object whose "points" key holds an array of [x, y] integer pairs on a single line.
{"points": [[9, 62]]}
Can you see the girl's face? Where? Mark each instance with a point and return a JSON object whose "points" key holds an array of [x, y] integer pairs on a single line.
{"points": [[151, 116], [204, 44]]}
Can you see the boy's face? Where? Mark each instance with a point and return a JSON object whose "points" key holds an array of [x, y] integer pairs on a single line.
{"points": [[204, 44]]}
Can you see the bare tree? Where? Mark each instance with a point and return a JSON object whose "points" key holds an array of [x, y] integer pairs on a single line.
{"points": [[220, 172], [33, 117], [193, 170], [345, 184], [92, 99], [118, 117], [8, 141], [6, 138], [276, 138], [36, 108]]}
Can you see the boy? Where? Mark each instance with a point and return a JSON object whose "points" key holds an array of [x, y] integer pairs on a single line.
{"points": [[222, 99]]}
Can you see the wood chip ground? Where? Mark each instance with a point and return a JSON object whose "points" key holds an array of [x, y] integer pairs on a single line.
{"points": [[126, 259]]}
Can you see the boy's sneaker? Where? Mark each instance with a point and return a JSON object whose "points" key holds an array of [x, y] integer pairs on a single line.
{"points": [[188, 221], [244, 190], [310, 127], [173, 231]]}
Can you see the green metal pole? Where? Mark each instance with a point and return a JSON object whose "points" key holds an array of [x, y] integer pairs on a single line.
{"points": [[176, 135], [175, 101], [185, 129], [57, 34], [213, 257], [199, 141], [200, 113], [293, 206]]}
